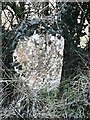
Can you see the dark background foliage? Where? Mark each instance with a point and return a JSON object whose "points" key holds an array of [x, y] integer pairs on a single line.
{"points": [[74, 56]]}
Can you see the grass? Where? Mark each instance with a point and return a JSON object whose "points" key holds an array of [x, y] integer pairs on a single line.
{"points": [[46, 104]]}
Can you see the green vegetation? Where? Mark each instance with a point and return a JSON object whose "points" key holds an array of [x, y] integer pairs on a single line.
{"points": [[74, 102], [72, 98]]}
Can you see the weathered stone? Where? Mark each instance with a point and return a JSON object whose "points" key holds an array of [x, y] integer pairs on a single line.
{"points": [[42, 58]]}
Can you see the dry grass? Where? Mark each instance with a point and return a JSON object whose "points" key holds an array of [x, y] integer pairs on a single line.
{"points": [[45, 104]]}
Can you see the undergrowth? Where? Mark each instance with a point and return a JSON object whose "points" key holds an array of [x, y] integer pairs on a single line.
{"points": [[26, 105]]}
